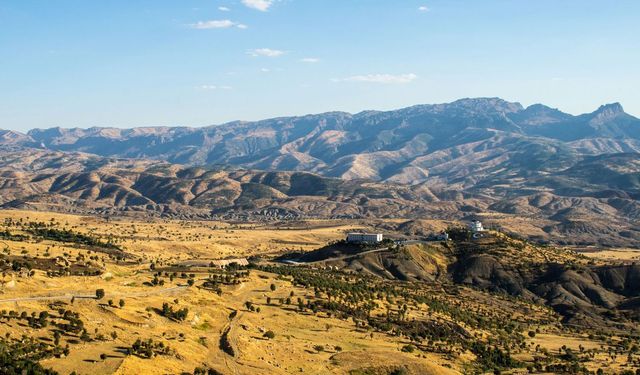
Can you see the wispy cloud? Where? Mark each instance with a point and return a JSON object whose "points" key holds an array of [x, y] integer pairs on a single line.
{"points": [[261, 5], [309, 60], [223, 9], [379, 78], [215, 87], [266, 52], [423, 8], [217, 24]]}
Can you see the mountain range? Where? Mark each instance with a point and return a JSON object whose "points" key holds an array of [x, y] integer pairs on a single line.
{"points": [[572, 175], [409, 145]]}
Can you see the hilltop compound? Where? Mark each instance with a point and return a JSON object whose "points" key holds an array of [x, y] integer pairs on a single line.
{"points": [[364, 237]]}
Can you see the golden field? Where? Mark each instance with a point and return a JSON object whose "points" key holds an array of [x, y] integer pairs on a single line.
{"points": [[303, 341]]}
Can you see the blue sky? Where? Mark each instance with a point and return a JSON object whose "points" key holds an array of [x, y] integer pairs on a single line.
{"points": [[201, 62]]}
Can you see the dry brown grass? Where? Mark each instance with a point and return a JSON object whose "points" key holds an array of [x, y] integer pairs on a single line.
{"points": [[292, 350], [196, 340]]}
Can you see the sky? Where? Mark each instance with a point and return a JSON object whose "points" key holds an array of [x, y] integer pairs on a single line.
{"points": [[128, 63]]}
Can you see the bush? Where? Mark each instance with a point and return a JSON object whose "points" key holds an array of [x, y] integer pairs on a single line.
{"points": [[99, 293], [225, 345], [149, 349], [168, 312], [205, 371], [269, 335], [408, 348]]}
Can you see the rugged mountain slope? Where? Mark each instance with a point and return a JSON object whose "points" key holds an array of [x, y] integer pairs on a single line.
{"points": [[64, 181], [570, 207], [583, 291], [459, 141]]}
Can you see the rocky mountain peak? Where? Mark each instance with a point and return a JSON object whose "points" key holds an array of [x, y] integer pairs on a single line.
{"points": [[540, 114], [606, 114], [609, 110], [488, 104]]}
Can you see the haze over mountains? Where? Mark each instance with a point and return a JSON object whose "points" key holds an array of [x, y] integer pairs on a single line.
{"points": [[577, 175]]}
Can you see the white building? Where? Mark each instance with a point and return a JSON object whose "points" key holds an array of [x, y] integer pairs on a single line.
{"points": [[364, 237], [444, 236], [476, 226]]}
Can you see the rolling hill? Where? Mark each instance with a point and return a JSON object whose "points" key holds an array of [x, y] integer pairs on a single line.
{"points": [[569, 207]]}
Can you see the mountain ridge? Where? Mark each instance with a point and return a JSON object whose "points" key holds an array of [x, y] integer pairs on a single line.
{"points": [[378, 145]]}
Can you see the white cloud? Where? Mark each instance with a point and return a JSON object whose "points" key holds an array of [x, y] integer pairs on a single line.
{"points": [[214, 24], [264, 70], [310, 60], [217, 24], [423, 9], [215, 87], [261, 5], [266, 52], [223, 9], [380, 78]]}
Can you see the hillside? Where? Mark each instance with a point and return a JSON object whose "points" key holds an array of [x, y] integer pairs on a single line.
{"points": [[597, 294], [118, 295], [573, 206], [86, 183]]}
